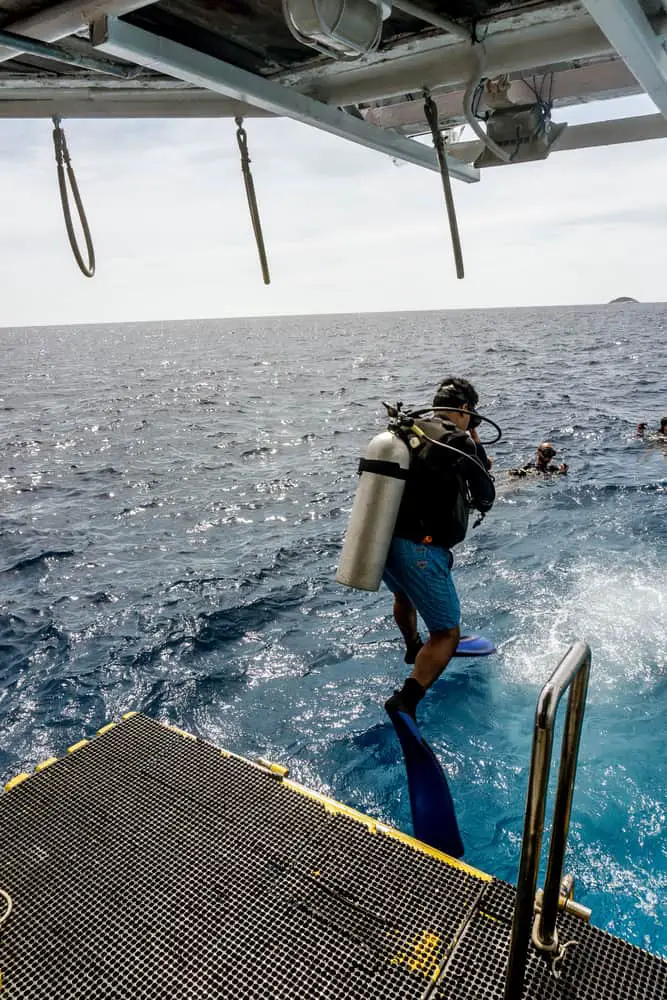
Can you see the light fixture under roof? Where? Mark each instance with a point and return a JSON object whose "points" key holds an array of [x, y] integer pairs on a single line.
{"points": [[525, 132], [343, 29]]}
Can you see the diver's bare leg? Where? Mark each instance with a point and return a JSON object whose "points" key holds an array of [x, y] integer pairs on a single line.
{"points": [[434, 656], [405, 617]]}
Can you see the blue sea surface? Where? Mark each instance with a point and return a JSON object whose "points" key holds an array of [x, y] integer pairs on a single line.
{"points": [[174, 497]]}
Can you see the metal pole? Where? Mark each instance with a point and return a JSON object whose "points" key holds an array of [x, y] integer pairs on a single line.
{"points": [[570, 667], [533, 828], [561, 821]]}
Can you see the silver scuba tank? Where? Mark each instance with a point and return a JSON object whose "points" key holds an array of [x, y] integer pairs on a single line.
{"points": [[383, 471]]}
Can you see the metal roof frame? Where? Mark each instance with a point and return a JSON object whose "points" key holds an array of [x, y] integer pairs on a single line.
{"points": [[124, 41]]}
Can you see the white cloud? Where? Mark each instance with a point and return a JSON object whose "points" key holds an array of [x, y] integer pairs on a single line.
{"points": [[346, 230]]}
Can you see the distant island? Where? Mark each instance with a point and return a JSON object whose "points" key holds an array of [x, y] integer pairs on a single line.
{"points": [[623, 298]]}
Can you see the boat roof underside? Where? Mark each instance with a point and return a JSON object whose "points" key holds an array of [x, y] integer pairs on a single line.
{"points": [[535, 37]]}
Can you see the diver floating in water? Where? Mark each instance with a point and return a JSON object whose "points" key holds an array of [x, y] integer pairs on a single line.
{"points": [[659, 435], [542, 463]]}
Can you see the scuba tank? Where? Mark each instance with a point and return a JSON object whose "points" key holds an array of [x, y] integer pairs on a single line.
{"points": [[383, 471]]}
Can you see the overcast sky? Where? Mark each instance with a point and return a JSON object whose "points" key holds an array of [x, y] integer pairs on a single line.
{"points": [[346, 229]]}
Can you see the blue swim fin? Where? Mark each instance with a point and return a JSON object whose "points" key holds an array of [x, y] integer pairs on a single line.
{"points": [[433, 816], [474, 645]]}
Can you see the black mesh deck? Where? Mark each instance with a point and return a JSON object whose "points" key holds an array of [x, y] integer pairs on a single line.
{"points": [[146, 865]]}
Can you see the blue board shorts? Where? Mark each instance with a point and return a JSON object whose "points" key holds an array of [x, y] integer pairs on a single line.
{"points": [[423, 574]]}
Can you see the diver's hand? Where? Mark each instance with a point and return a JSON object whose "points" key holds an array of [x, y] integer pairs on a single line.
{"points": [[562, 468]]}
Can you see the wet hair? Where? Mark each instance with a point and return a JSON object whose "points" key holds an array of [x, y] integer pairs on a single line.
{"points": [[455, 392]]}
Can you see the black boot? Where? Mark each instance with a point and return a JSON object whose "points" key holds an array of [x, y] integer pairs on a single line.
{"points": [[406, 700]]}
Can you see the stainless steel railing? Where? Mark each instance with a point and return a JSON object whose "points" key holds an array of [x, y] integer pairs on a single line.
{"points": [[573, 672]]}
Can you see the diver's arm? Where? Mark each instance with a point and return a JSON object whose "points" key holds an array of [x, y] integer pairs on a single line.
{"points": [[480, 483], [482, 490], [481, 454]]}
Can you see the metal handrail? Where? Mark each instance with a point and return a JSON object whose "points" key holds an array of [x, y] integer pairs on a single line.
{"points": [[574, 670]]}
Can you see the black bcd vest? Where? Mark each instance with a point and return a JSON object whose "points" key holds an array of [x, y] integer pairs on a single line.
{"points": [[436, 501]]}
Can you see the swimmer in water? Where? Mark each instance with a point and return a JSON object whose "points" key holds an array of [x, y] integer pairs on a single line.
{"points": [[659, 435], [542, 463]]}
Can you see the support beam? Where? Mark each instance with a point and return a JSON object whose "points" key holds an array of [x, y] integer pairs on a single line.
{"points": [[60, 54], [66, 19], [628, 29], [123, 41], [451, 65], [91, 101], [611, 133]]}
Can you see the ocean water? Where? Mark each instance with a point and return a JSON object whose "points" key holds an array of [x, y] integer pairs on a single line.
{"points": [[174, 497]]}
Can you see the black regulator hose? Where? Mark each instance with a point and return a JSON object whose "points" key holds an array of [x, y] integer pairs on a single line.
{"points": [[460, 409]]}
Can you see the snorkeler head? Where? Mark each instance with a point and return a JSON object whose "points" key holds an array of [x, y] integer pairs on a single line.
{"points": [[546, 451], [663, 425]]}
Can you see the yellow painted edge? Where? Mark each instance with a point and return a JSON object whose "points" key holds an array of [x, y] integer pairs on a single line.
{"points": [[331, 806], [419, 845], [274, 768], [181, 732], [20, 778], [17, 780], [374, 826], [129, 715], [43, 764]]}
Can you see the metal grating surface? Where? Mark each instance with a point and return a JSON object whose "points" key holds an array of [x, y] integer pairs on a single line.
{"points": [[598, 967], [147, 865]]}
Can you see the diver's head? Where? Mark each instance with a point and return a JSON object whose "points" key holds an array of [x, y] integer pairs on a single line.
{"points": [[460, 394], [663, 425], [545, 452]]}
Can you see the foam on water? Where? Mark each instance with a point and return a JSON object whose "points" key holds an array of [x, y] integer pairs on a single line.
{"points": [[621, 609]]}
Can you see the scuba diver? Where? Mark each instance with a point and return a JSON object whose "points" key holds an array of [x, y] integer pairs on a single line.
{"points": [[542, 463], [418, 481], [433, 515]]}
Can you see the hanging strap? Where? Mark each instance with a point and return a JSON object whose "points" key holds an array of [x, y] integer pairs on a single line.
{"points": [[242, 139], [64, 163], [431, 112]]}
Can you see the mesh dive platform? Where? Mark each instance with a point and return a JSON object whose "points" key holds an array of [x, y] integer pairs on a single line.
{"points": [[147, 865]]}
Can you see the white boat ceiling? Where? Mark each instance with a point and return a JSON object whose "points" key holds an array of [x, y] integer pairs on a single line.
{"points": [[223, 58]]}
